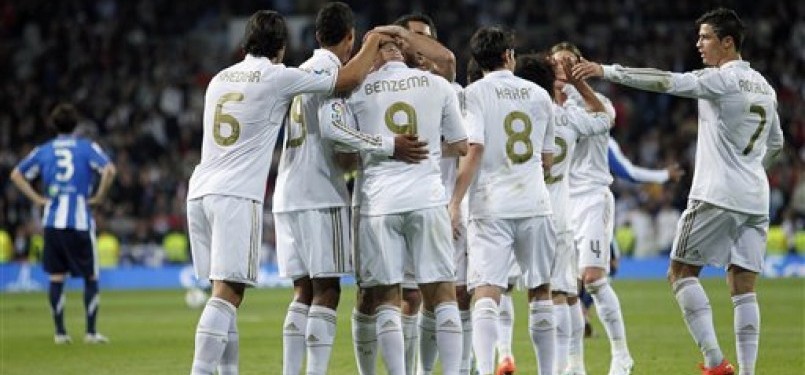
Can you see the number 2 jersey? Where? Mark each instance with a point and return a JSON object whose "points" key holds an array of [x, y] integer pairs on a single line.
{"points": [[738, 126], [397, 99], [513, 119], [244, 109], [66, 165]]}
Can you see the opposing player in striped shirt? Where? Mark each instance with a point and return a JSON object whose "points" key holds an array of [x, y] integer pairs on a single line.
{"points": [[67, 165]]}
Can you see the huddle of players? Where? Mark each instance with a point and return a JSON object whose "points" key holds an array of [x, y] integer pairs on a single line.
{"points": [[406, 120]]}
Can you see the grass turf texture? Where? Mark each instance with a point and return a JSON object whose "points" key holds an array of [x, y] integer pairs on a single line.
{"points": [[152, 332]]}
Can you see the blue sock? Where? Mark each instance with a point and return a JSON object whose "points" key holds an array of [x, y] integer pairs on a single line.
{"points": [[55, 296], [91, 301]]}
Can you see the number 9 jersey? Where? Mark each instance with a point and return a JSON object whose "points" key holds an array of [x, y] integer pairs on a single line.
{"points": [[513, 119]]}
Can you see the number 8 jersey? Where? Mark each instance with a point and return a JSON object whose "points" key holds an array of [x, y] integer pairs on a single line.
{"points": [[513, 119], [244, 108]]}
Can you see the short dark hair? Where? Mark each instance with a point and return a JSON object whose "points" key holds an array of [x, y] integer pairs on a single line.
{"points": [[420, 17], [265, 34], [537, 68], [488, 45], [566, 46], [64, 118], [725, 22], [333, 23], [474, 71]]}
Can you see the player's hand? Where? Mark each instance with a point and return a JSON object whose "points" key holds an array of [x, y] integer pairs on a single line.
{"points": [[408, 148], [41, 201], [395, 31], [455, 219], [586, 69], [675, 172], [95, 201], [567, 66]]}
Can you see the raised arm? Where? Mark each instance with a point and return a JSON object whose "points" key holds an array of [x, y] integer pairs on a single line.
{"points": [[352, 74], [430, 48], [706, 83]]}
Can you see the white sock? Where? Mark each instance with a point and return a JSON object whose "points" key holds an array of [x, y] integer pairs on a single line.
{"points": [[561, 315], [212, 333], [229, 360], [320, 334], [609, 313], [428, 350], [575, 355], [485, 333], [542, 325], [364, 341], [466, 352], [390, 338], [448, 336], [410, 332], [699, 317], [293, 338], [505, 326], [747, 331]]}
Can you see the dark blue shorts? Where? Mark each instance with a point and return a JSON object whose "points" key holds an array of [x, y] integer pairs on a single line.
{"points": [[69, 251]]}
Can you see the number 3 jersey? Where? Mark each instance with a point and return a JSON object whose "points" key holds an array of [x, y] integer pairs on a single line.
{"points": [[397, 99], [738, 123], [66, 165], [513, 119], [244, 109]]}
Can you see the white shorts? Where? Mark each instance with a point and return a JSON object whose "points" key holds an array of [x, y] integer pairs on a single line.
{"points": [[708, 234], [492, 242], [313, 243], [225, 236], [385, 241], [565, 275], [593, 216]]}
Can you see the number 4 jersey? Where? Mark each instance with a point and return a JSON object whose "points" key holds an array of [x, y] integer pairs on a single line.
{"points": [[66, 165], [738, 124], [513, 119], [397, 99], [244, 109]]}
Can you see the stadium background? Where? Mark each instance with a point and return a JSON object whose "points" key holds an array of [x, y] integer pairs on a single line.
{"points": [[138, 70]]}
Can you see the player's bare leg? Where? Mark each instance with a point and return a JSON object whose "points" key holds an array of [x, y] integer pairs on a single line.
{"points": [[609, 312], [216, 333], [696, 310], [411, 302], [542, 326], [440, 301], [321, 323]]}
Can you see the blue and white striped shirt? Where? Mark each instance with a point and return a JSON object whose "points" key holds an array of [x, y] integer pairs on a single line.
{"points": [[66, 165]]}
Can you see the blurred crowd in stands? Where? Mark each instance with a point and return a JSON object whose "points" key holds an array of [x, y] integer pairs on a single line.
{"points": [[138, 69]]}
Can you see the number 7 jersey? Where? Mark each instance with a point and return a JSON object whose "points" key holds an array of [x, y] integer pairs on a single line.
{"points": [[513, 119]]}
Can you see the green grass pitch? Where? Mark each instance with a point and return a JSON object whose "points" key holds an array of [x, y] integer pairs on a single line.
{"points": [[152, 332]]}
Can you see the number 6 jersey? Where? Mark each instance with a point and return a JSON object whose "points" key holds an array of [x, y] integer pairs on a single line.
{"points": [[244, 109]]}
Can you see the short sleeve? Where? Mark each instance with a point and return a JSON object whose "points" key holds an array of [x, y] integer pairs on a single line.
{"points": [[452, 122], [97, 158], [29, 166], [295, 81], [475, 116]]}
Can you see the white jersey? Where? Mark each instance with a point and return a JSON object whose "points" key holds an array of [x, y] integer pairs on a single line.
{"points": [[589, 169], [308, 177], [738, 126], [572, 124], [513, 119], [400, 100], [449, 164], [243, 110]]}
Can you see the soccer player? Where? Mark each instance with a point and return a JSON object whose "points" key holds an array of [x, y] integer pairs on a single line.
{"points": [[573, 122], [66, 165], [244, 108], [439, 61], [727, 217], [593, 216], [510, 124], [402, 207]]}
